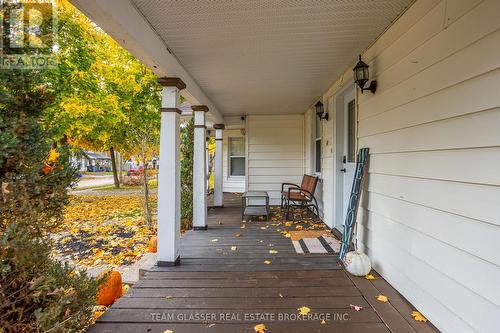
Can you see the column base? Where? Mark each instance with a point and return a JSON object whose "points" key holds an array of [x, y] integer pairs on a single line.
{"points": [[200, 228], [176, 262]]}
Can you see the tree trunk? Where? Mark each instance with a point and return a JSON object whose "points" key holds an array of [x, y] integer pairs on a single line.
{"points": [[113, 166], [147, 211]]}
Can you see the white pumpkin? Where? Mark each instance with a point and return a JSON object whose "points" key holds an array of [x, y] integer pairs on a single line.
{"points": [[357, 263]]}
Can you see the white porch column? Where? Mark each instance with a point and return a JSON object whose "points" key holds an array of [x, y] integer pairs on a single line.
{"points": [[169, 178], [199, 169], [218, 195]]}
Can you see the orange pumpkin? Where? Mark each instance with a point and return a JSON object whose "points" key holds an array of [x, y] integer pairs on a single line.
{"points": [[110, 290], [153, 244]]}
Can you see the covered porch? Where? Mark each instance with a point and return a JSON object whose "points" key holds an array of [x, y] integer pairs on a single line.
{"points": [[219, 290], [273, 83]]}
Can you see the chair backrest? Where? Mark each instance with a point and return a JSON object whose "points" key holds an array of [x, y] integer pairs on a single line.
{"points": [[309, 183]]}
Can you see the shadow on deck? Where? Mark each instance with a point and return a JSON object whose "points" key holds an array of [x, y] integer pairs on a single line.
{"points": [[217, 289]]}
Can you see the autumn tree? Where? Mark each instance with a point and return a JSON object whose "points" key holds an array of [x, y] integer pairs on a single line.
{"points": [[37, 293]]}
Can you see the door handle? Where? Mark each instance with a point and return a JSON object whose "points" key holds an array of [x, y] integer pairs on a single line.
{"points": [[343, 170]]}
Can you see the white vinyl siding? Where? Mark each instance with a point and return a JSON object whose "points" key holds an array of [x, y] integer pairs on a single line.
{"points": [[431, 219], [435, 122], [275, 152]]}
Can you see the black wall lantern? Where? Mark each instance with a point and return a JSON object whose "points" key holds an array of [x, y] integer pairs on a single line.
{"points": [[320, 112], [362, 76]]}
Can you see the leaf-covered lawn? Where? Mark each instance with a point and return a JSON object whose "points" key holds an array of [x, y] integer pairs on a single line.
{"points": [[103, 230]]}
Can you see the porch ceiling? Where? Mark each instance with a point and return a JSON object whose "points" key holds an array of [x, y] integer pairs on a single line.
{"points": [[251, 57]]}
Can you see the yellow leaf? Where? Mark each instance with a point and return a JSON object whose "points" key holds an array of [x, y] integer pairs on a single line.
{"points": [[168, 331], [304, 310], [418, 316], [243, 226], [370, 277], [382, 298], [233, 248], [260, 328], [323, 322], [267, 262], [287, 235], [237, 235], [53, 156], [273, 251]]}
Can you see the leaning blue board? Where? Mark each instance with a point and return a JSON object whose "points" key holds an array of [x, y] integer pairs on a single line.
{"points": [[352, 208]]}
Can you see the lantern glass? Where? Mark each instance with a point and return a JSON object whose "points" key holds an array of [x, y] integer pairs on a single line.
{"points": [[361, 73], [319, 108]]}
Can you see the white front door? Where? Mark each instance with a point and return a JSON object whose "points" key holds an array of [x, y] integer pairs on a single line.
{"points": [[345, 156], [348, 165]]}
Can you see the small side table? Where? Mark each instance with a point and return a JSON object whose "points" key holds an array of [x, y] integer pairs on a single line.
{"points": [[255, 203]]}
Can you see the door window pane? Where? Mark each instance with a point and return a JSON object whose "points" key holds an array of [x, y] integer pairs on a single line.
{"points": [[351, 132], [318, 156]]}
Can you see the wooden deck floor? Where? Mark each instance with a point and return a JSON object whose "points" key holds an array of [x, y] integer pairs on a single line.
{"points": [[219, 290]]}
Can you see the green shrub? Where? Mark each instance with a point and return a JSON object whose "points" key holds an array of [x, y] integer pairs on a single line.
{"points": [[187, 151]]}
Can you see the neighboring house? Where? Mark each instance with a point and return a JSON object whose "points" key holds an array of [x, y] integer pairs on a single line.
{"points": [[92, 161], [430, 210]]}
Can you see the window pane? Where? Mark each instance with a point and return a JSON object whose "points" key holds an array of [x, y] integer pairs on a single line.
{"points": [[318, 156], [317, 127], [237, 166], [236, 146], [351, 132]]}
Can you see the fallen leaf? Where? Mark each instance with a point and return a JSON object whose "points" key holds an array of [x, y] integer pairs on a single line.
{"points": [[243, 226], [304, 310], [233, 248], [260, 328], [382, 298], [215, 240], [356, 307], [281, 295], [418, 316], [370, 277], [168, 297], [287, 235], [267, 262], [323, 322], [168, 331], [237, 235], [273, 251]]}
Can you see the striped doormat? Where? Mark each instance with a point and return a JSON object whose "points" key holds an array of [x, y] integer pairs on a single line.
{"points": [[319, 243]]}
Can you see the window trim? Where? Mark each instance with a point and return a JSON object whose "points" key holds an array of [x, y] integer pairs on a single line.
{"points": [[230, 157]]}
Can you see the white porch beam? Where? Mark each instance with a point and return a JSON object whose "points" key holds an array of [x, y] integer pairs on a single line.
{"points": [[169, 176], [218, 178], [199, 169]]}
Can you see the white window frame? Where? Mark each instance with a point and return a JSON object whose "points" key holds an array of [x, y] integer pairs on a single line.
{"points": [[317, 137], [230, 157]]}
